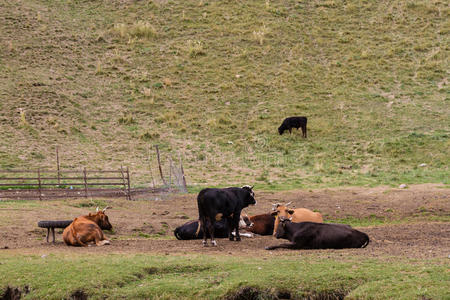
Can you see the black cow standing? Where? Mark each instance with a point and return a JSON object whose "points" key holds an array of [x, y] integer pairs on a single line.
{"points": [[310, 235], [215, 204], [293, 122]]}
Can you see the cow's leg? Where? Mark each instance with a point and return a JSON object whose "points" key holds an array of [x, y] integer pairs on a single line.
{"points": [[100, 238], [203, 225], [78, 241], [211, 231], [275, 226], [304, 131], [103, 242], [290, 130], [286, 245], [236, 217], [48, 233], [230, 229], [75, 241]]}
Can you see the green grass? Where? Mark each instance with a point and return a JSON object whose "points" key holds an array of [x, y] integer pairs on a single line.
{"points": [[212, 81], [101, 204], [382, 220], [205, 277]]}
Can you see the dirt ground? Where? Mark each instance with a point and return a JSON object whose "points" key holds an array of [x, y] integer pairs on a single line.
{"points": [[146, 226]]}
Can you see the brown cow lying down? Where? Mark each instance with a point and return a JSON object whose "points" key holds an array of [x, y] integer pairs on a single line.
{"points": [[297, 215], [258, 224], [87, 229]]}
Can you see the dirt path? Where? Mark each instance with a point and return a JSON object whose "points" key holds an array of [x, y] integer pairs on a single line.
{"points": [[147, 226]]}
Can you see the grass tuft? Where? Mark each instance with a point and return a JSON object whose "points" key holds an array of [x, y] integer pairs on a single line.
{"points": [[195, 48], [137, 30]]}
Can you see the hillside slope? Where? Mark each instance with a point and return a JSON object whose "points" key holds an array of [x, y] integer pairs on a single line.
{"points": [[212, 81]]}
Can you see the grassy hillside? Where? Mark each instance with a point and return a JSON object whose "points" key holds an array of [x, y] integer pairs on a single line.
{"points": [[212, 81]]}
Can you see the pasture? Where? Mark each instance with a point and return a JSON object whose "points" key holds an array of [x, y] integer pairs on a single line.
{"points": [[213, 80], [407, 257], [210, 82]]}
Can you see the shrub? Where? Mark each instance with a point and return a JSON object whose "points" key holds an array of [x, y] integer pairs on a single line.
{"points": [[195, 48], [139, 30]]}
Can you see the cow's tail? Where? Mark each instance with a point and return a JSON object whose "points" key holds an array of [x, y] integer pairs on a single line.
{"points": [[176, 232], [366, 242], [198, 228], [201, 213]]}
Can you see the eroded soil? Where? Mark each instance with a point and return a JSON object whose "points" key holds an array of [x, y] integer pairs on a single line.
{"points": [[413, 225]]}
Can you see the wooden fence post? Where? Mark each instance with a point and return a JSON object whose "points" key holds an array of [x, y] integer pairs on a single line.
{"points": [[170, 173], [150, 168], [57, 165], [159, 164], [39, 182], [182, 174], [128, 180], [85, 183]]}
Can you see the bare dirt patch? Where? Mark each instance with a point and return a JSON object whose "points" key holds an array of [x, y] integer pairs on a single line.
{"points": [[147, 226]]}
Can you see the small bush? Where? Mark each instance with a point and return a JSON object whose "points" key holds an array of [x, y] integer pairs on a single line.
{"points": [[146, 136], [195, 49], [260, 34], [127, 120], [139, 30]]}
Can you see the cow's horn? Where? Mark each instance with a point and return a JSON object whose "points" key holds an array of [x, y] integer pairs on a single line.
{"points": [[108, 207], [275, 205], [96, 210], [287, 204]]}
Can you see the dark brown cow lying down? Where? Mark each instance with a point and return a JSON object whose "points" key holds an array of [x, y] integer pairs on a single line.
{"points": [[87, 229], [258, 224], [310, 235]]}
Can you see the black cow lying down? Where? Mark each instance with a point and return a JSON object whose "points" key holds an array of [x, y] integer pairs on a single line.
{"points": [[188, 231], [310, 235]]}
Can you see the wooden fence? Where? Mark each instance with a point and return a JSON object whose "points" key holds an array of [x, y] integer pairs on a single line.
{"points": [[45, 184]]}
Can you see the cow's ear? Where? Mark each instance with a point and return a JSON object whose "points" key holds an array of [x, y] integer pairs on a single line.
{"points": [[290, 211], [274, 213]]}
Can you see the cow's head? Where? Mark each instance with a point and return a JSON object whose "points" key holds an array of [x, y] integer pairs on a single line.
{"points": [[102, 219], [281, 230], [250, 196], [281, 130], [282, 210], [245, 222]]}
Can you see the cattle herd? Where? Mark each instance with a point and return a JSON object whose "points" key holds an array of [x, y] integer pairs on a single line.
{"points": [[220, 216]]}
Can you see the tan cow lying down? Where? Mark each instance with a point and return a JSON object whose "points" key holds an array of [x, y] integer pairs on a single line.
{"points": [[87, 229], [297, 214]]}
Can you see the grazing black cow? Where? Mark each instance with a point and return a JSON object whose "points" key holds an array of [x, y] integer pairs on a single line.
{"points": [[215, 204], [310, 235], [293, 122], [192, 231]]}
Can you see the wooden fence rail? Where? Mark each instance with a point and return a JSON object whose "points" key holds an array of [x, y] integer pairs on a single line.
{"points": [[53, 184]]}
